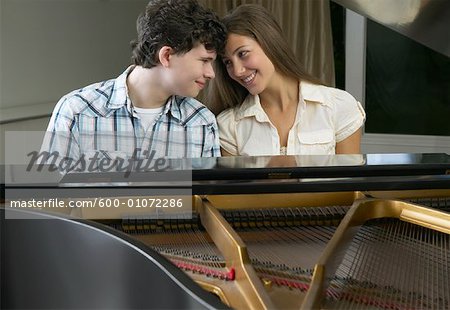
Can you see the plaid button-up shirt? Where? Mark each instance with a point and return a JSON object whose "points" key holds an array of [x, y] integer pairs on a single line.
{"points": [[100, 119]]}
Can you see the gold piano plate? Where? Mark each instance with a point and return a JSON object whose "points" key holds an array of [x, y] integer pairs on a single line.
{"points": [[385, 254], [253, 237]]}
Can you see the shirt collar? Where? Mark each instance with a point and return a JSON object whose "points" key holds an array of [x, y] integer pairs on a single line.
{"points": [[252, 105], [119, 97], [173, 106], [119, 94], [312, 92]]}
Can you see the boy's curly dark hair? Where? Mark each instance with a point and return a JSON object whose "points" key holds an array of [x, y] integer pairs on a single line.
{"points": [[180, 24]]}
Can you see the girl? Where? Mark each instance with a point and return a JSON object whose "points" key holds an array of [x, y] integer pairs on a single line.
{"points": [[274, 106]]}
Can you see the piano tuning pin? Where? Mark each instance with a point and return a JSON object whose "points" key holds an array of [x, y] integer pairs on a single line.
{"points": [[281, 267], [300, 270]]}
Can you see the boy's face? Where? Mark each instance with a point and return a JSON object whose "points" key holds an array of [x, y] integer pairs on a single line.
{"points": [[190, 72]]}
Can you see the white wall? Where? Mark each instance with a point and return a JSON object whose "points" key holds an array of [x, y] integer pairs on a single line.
{"points": [[50, 47], [39, 124]]}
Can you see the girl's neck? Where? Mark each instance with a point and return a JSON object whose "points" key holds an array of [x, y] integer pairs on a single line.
{"points": [[281, 94]]}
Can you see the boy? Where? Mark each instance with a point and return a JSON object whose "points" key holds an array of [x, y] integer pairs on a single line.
{"points": [[149, 110]]}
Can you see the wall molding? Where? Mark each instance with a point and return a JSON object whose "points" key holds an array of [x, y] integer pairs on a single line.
{"points": [[26, 112], [389, 143]]}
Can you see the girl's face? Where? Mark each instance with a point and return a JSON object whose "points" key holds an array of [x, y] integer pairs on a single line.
{"points": [[247, 63]]}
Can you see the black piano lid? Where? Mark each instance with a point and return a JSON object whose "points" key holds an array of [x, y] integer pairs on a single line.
{"points": [[268, 174], [290, 167], [87, 266], [318, 166]]}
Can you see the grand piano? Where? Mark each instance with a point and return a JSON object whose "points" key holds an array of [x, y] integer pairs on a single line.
{"points": [[282, 232]]}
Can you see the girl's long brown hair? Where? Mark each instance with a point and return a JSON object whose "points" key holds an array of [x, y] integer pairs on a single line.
{"points": [[256, 22]]}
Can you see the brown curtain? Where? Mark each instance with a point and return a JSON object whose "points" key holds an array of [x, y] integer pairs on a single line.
{"points": [[306, 25]]}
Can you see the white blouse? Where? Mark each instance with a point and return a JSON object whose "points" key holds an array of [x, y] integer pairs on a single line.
{"points": [[325, 116]]}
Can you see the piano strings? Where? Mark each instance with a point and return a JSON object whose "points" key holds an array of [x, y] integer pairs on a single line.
{"points": [[389, 264], [392, 264]]}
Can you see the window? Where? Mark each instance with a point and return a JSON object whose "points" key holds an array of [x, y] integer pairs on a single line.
{"points": [[407, 85]]}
